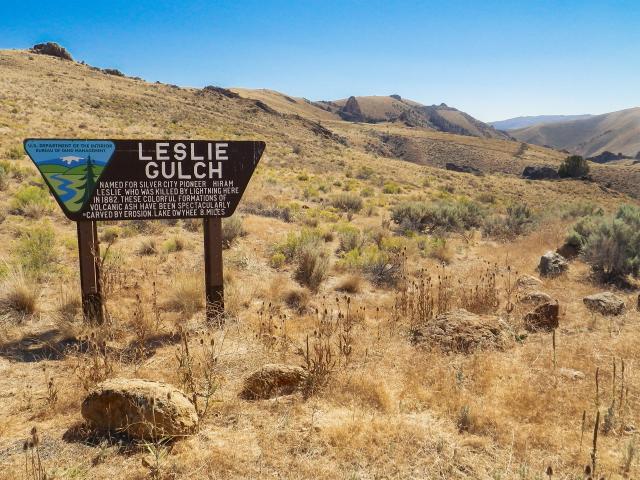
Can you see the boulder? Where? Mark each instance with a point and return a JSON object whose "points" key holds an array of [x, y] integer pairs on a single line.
{"points": [[454, 167], [605, 303], [539, 172], [140, 409], [52, 49], [273, 380], [552, 264], [543, 318], [535, 297], [462, 331], [528, 282]]}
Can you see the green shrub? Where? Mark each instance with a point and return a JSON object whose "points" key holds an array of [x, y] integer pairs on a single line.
{"points": [[4, 175], [364, 173], [277, 260], [36, 249], [518, 221], [382, 268], [573, 167], [347, 202], [312, 266], [232, 229], [442, 215], [391, 188], [349, 237], [175, 244], [611, 245], [295, 241], [31, 201]]}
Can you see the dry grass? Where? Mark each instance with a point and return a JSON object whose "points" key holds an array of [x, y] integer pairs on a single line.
{"points": [[378, 407], [18, 295]]}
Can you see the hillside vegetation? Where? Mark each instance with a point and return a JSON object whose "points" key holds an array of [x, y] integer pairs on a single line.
{"points": [[351, 255]]}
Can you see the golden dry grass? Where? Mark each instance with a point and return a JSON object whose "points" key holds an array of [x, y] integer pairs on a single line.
{"points": [[388, 410]]}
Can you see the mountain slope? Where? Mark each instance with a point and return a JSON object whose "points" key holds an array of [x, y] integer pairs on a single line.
{"points": [[614, 132], [393, 108], [530, 121]]}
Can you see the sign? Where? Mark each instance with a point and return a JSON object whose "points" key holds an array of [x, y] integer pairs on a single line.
{"points": [[145, 179]]}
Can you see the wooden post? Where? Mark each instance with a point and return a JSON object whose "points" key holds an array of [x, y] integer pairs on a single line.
{"points": [[214, 287], [89, 253]]}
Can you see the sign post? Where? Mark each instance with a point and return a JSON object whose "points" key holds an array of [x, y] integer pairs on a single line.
{"points": [[89, 253], [111, 180], [213, 277]]}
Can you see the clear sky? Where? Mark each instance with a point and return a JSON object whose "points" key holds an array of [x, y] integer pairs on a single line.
{"points": [[493, 59]]}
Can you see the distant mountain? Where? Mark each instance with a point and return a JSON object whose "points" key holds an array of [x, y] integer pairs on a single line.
{"points": [[523, 122], [393, 108], [617, 132]]}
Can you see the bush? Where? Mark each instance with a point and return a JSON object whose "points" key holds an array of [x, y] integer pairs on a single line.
{"points": [[18, 295], [148, 247], [175, 244], [186, 296], [518, 221], [381, 267], [611, 245], [295, 242], [349, 237], [573, 167], [391, 188], [36, 249], [232, 229], [312, 266], [31, 201], [277, 260], [347, 202], [441, 215]]}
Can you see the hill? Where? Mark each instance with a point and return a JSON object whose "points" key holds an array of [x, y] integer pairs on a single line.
{"points": [[350, 256], [617, 132], [530, 121]]}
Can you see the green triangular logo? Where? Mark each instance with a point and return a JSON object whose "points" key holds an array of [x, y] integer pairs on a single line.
{"points": [[71, 168]]}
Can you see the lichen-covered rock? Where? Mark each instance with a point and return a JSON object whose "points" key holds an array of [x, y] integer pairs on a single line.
{"points": [[140, 409], [545, 317], [273, 380], [52, 49], [552, 264], [605, 303], [535, 297], [528, 282], [461, 331]]}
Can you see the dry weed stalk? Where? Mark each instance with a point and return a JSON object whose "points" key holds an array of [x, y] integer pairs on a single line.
{"points": [[198, 370], [34, 470], [97, 365]]}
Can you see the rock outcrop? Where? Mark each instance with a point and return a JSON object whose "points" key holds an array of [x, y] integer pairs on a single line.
{"points": [[534, 297], [454, 167], [552, 264], [140, 409], [539, 172], [53, 50], [273, 380], [461, 331], [605, 303], [545, 317], [351, 111]]}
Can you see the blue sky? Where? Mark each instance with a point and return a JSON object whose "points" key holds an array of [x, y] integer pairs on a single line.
{"points": [[493, 59]]}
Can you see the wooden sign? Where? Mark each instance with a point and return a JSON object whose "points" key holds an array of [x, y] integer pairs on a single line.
{"points": [[145, 179], [109, 180]]}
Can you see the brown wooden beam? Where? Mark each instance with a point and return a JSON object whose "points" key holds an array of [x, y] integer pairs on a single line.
{"points": [[89, 253], [214, 285]]}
